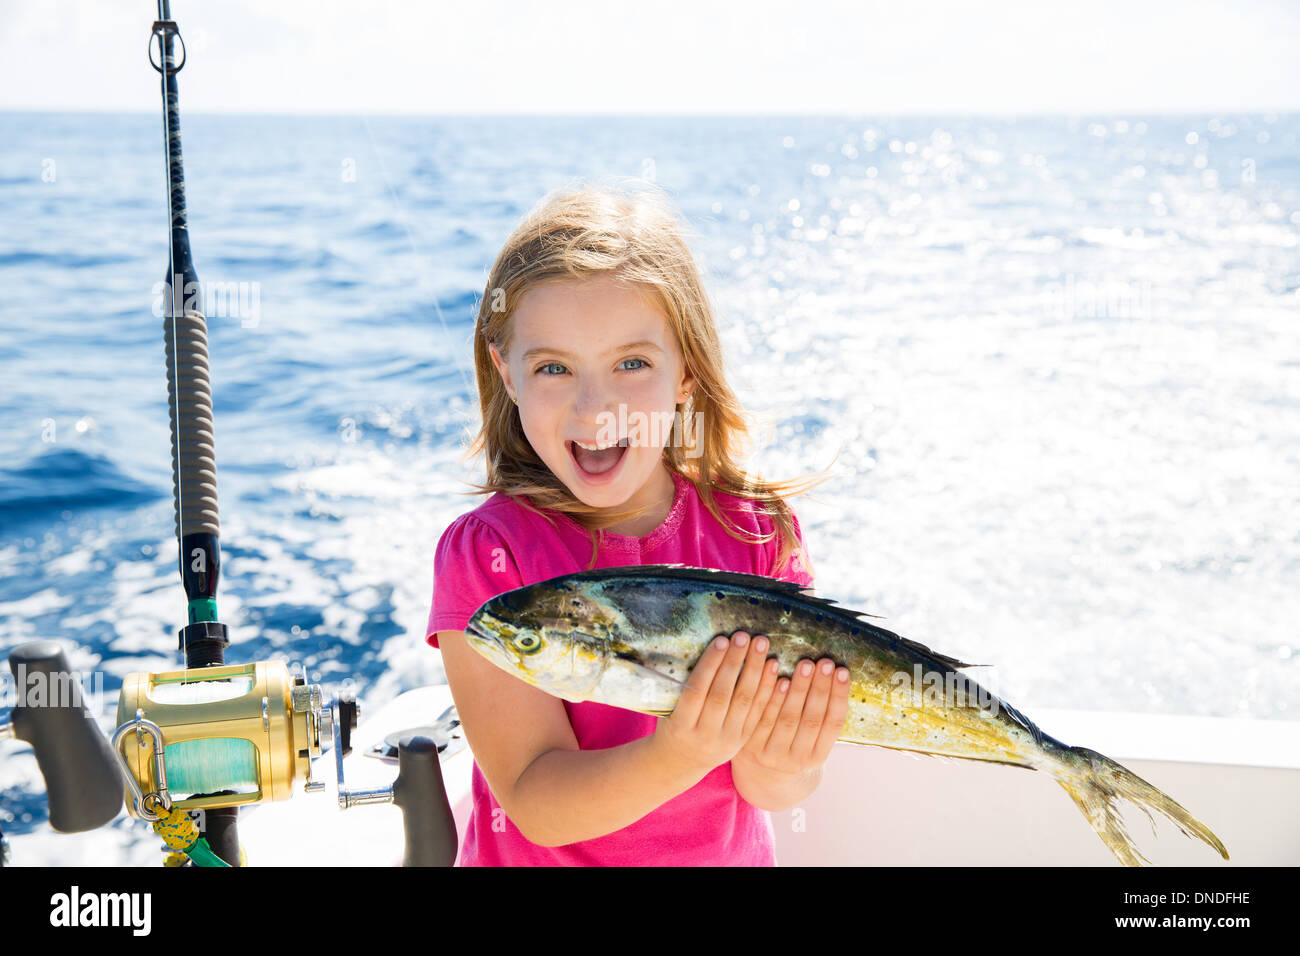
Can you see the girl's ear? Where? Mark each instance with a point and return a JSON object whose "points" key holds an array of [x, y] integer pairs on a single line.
{"points": [[686, 389], [501, 367]]}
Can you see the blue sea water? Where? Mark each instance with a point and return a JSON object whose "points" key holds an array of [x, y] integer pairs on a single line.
{"points": [[1059, 358]]}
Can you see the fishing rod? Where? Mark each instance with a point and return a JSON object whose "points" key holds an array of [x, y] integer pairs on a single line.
{"points": [[231, 735], [194, 470], [203, 741]]}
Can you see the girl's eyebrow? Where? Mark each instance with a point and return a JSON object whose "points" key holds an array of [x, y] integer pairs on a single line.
{"points": [[544, 350]]}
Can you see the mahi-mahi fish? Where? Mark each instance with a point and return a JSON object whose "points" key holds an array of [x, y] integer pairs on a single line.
{"points": [[629, 637]]}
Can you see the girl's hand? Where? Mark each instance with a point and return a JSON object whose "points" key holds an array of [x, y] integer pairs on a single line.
{"points": [[802, 719], [722, 702]]}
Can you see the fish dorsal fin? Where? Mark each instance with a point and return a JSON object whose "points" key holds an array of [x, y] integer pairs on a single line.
{"points": [[791, 589], [943, 658], [687, 572], [712, 576], [1023, 721]]}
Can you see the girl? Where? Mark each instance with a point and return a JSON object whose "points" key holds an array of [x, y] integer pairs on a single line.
{"points": [[610, 434]]}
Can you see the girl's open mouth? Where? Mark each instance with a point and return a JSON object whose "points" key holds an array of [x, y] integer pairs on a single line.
{"points": [[597, 467]]}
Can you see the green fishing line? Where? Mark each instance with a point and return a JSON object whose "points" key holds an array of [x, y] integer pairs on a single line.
{"points": [[206, 766]]}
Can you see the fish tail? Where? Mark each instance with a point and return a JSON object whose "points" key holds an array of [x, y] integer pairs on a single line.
{"points": [[1094, 781]]}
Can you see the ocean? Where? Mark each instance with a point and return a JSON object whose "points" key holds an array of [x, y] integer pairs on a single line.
{"points": [[1058, 358]]}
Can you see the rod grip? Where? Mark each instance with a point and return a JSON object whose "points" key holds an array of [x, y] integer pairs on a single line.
{"points": [[189, 397]]}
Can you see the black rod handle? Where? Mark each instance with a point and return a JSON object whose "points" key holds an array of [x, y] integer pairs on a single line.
{"points": [[83, 780], [430, 827]]}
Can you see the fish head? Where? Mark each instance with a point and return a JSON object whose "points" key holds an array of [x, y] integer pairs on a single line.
{"points": [[529, 636]]}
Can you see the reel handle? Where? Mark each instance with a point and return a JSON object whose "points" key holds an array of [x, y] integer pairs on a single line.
{"points": [[82, 779], [428, 822]]}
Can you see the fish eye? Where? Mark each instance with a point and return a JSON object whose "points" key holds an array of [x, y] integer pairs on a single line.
{"points": [[528, 643]]}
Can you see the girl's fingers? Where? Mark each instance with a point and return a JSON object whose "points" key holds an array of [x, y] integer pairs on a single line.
{"points": [[835, 714], [814, 708], [763, 718], [744, 698], [696, 691], [787, 720], [718, 700]]}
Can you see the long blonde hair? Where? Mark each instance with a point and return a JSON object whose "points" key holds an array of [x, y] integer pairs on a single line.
{"points": [[630, 231]]}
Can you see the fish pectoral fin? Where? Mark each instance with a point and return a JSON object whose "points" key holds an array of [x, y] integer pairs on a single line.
{"points": [[658, 689], [652, 674]]}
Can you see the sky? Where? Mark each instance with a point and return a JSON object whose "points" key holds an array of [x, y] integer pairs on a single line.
{"points": [[661, 57]]}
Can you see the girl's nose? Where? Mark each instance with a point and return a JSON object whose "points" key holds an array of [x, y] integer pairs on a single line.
{"points": [[593, 403]]}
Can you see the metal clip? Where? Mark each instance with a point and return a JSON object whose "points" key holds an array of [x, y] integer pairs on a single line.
{"points": [[160, 797]]}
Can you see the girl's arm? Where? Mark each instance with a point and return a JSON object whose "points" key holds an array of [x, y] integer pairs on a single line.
{"points": [[556, 793]]}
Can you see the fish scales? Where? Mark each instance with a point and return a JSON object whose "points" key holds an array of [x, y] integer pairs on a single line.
{"points": [[629, 637], [675, 624]]}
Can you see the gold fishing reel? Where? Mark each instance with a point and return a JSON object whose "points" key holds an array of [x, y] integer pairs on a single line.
{"points": [[221, 736]]}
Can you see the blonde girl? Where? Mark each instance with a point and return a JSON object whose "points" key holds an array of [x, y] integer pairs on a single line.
{"points": [[611, 438]]}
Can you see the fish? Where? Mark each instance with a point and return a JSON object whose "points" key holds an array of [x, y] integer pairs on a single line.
{"points": [[629, 637]]}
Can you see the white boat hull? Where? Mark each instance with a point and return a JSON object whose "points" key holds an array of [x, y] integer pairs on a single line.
{"points": [[881, 807]]}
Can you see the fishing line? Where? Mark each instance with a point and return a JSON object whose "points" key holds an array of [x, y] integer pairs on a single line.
{"points": [[202, 691], [212, 765], [410, 238], [167, 64]]}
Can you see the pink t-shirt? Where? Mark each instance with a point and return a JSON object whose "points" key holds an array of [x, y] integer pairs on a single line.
{"points": [[500, 546]]}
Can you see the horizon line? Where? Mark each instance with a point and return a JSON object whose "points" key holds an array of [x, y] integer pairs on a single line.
{"points": [[1126, 113]]}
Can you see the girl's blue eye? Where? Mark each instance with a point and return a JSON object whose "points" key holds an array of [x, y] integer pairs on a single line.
{"points": [[542, 369]]}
